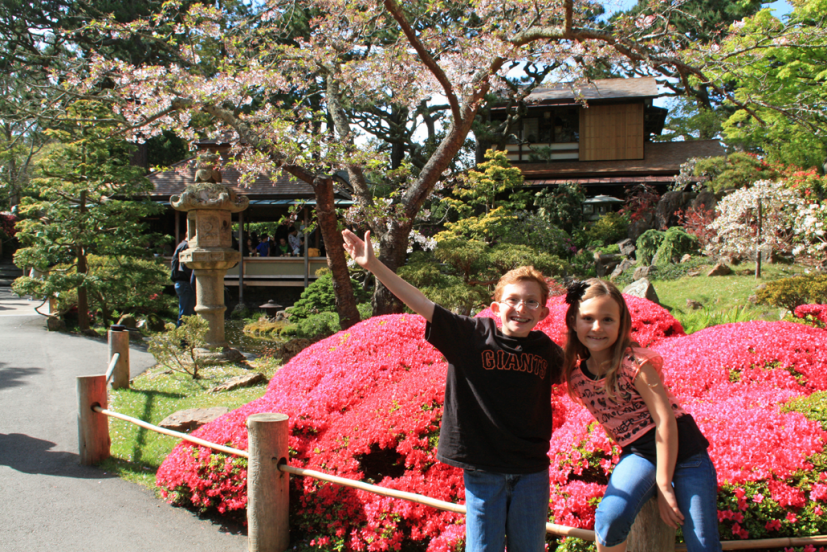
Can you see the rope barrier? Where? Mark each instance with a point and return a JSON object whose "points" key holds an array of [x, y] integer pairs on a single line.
{"points": [[765, 543], [171, 433], [439, 504], [552, 528], [112, 364]]}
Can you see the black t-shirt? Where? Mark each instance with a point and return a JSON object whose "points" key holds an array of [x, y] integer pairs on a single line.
{"points": [[497, 414]]}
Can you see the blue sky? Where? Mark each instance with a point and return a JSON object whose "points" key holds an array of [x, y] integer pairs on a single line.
{"points": [[780, 7]]}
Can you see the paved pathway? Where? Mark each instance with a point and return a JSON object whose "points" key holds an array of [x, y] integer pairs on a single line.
{"points": [[47, 500]]}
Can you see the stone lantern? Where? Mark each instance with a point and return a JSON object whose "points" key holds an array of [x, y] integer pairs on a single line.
{"points": [[209, 206]]}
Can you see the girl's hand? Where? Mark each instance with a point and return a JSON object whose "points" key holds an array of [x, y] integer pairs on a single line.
{"points": [[361, 251], [668, 506]]}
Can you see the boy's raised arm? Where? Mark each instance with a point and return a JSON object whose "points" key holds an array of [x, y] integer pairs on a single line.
{"points": [[362, 253]]}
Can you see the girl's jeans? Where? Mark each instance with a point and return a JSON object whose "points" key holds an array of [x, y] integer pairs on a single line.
{"points": [[500, 504], [633, 483]]}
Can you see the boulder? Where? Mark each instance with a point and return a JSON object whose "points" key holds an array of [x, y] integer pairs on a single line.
{"points": [[244, 380], [192, 418], [627, 247], [282, 315], [694, 305], [55, 324], [643, 272], [719, 269], [604, 264], [686, 258], [128, 321], [704, 201], [642, 288], [641, 225], [693, 273], [624, 265], [669, 204]]}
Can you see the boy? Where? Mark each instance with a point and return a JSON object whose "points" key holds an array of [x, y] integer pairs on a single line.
{"points": [[496, 422]]}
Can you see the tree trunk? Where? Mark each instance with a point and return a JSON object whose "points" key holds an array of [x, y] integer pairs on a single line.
{"points": [[342, 289], [83, 300], [392, 252]]}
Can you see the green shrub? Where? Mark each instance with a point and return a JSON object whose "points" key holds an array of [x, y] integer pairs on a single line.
{"points": [[676, 243], [176, 347], [582, 264], [647, 245], [612, 249], [319, 297], [674, 271], [113, 284], [789, 293], [319, 326], [608, 229]]}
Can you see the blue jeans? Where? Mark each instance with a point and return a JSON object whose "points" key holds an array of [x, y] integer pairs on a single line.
{"points": [[501, 504], [186, 300], [633, 483]]}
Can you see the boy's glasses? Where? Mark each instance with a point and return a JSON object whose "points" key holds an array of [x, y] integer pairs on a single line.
{"points": [[530, 304]]}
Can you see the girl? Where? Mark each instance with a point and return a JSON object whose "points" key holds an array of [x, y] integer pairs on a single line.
{"points": [[663, 451]]}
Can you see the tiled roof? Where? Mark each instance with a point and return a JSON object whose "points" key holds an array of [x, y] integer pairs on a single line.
{"points": [[661, 159], [284, 186], [603, 89]]}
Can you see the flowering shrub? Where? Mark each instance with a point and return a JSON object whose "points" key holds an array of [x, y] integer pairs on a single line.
{"points": [[736, 224], [367, 403], [814, 312]]}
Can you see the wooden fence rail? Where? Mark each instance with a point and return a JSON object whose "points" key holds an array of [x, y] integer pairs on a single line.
{"points": [[268, 478]]}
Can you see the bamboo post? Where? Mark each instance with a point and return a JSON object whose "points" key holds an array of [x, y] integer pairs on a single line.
{"points": [[93, 428], [119, 343], [649, 533], [268, 528]]}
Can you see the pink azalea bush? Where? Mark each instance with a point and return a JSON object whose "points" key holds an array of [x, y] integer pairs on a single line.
{"points": [[366, 404]]}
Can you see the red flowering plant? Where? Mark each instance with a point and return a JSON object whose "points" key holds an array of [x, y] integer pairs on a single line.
{"points": [[367, 403], [815, 315]]}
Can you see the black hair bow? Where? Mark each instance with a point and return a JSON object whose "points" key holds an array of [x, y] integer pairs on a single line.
{"points": [[575, 291]]}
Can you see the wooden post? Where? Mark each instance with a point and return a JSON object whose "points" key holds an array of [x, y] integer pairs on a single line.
{"points": [[268, 528], [241, 244], [758, 243], [93, 428], [119, 343], [649, 533]]}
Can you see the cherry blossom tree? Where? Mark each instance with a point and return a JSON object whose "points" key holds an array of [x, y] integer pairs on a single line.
{"points": [[286, 82]]}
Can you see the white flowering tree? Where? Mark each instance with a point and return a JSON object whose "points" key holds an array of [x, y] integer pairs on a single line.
{"points": [[288, 83], [736, 223], [809, 226]]}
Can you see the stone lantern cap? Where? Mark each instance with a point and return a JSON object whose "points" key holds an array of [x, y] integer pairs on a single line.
{"points": [[209, 196], [270, 307]]}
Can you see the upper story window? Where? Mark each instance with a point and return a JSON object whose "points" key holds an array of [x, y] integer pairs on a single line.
{"points": [[558, 125]]}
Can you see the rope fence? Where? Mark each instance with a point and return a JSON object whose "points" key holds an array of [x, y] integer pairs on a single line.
{"points": [[268, 475]]}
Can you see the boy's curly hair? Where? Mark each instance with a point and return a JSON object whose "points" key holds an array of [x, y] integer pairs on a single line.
{"points": [[522, 274]]}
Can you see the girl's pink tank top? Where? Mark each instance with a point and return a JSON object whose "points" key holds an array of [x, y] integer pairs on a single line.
{"points": [[626, 417]]}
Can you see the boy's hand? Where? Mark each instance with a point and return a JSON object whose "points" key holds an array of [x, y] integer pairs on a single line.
{"points": [[361, 251]]}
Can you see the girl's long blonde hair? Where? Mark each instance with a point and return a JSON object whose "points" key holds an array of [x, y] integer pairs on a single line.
{"points": [[576, 351]]}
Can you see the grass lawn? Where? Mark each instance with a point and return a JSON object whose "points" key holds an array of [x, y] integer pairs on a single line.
{"points": [[724, 298], [137, 452]]}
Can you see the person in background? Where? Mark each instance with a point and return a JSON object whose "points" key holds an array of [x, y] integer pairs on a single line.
{"points": [[295, 242], [263, 248], [283, 250], [184, 283]]}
